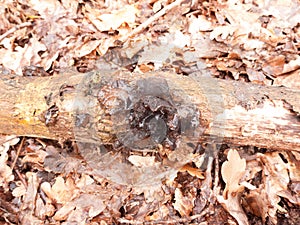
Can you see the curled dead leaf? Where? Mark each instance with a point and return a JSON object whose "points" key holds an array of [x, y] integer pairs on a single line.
{"points": [[192, 171]]}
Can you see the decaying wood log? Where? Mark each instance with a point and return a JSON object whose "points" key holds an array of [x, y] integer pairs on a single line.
{"points": [[239, 113]]}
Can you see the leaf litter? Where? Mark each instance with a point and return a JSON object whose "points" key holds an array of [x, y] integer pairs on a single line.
{"points": [[251, 41]]}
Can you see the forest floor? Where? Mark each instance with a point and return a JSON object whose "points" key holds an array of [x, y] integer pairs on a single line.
{"points": [[47, 182]]}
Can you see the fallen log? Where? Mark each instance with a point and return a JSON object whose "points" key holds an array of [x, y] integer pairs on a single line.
{"points": [[229, 111]]}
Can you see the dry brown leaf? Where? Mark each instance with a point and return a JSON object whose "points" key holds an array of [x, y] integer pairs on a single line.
{"points": [[256, 203], [64, 212], [156, 55], [160, 214], [20, 189], [84, 181], [105, 45], [276, 176], [274, 65], [286, 13], [142, 161], [183, 204], [230, 65], [206, 48], [255, 76], [13, 59], [37, 157], [192, 171], [253, 168], [199, 24], [47, 8], [264, 200], [291, 80], [29, 200], [233, 206], [222, 31], [71, 5], [156, 6], [113, 20], [61, 191], [6, 174], [61, 163], [292, 65], [80, 209], [164, 50], [293, 166], [232, 171], [87, 48], [43, 210]]}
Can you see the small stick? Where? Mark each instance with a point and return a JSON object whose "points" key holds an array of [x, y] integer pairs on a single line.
{"points": [[18, 153], [173, 221], [216, 188], [21, 178], [13, 29], [151, 20]]}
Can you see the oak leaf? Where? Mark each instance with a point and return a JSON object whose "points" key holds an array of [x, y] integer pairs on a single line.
{"points": [[232, 171]]}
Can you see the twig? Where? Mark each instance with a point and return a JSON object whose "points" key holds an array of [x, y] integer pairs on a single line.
{"points": [[172, 221], [18, 153], [216, 188], [21, 178], [151, 20], [13, 29]]}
